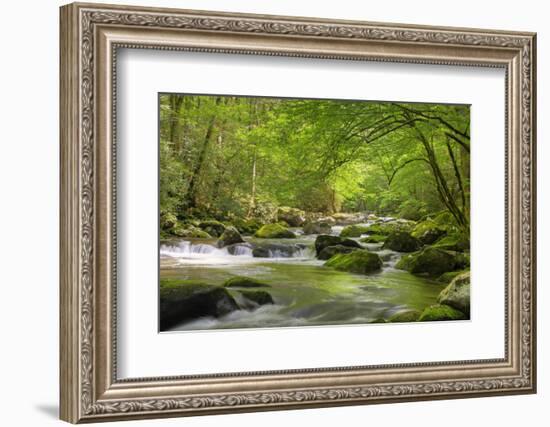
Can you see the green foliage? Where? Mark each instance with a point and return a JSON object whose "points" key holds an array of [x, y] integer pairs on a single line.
{"points": [[229, 157]]}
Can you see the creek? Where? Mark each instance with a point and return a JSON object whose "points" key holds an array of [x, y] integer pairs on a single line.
{"points": [[305, 292]]}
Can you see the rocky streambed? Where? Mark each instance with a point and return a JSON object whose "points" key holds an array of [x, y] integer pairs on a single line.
{"points": [[281, 276]]}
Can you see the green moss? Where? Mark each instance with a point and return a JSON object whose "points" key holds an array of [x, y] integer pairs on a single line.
{"points": [[353, 231], [360, 261], [312, 227], [190, 231], [402, 241], [386, 228], [325, 240], [330, 251], [454, 242], [274, 231], [457, 294], [373, 238], [259, 297], [441, 312], [431, 261], [212, 227], [175, 288], [182, 300], [449, 276], [423, 227], [246, 226], [405, 316], [230, 236], [244, 282], [445, 219]]}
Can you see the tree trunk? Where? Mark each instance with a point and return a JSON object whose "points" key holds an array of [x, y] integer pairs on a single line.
{"points": [[195, 176]]}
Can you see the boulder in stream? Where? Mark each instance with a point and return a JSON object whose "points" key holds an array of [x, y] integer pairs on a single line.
{"points": [[229, 236], [292, 216], [405, 316], [457, 294], [182, 300], [325, 240], [316, 227], [354, 230], [401, 241], [373, 238], [439, 312], [258, 297], [274, 231], [329, 251], [190, 231], [359, 261], [432, 261], [454, 242], [212, 227], [244, 282]]}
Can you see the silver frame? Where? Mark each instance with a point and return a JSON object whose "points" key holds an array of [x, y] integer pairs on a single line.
{"points": [[90, 37]]}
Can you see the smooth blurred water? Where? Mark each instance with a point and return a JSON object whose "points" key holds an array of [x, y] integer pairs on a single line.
{"points": [[305, 292]]}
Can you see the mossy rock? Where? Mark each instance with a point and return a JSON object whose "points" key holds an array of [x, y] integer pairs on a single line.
{"points": [[379, 320], [244, 282], [330, 251], [314, 227], [431, 261], [386, 228], [405, 316], [258, 297], [246, 226], [449, 276], [324, 240], [441, 312], [457, 294], [428, 232], [401, 241], [168, 221], [373, 238], [353, 231], [359, 261], [212, 227], [454, 242], [274, 231], [190, 231], [230, 236], [182, 300], [291, 216]]}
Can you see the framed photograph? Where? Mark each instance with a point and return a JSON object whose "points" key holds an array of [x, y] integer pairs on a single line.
{"points": [[265, 212]]}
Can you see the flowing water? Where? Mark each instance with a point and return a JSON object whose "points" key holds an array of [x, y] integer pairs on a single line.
{"points": [[304, 291]]}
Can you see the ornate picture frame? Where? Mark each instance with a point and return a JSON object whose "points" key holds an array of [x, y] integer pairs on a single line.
{"points": [[90, 37]]}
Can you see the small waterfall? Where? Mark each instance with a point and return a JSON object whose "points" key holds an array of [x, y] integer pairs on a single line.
{"points": [[202, 253], [240, 249]]}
